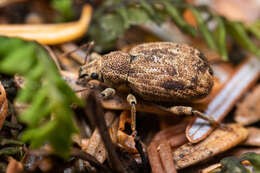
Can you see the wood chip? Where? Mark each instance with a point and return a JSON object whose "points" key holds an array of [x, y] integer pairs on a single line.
{"points": [[253, 138], [219, 141]]}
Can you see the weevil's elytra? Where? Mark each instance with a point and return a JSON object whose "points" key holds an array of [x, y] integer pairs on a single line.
{"points": [[161, 71]]}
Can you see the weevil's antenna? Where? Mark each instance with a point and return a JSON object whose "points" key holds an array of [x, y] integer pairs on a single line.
{"points": [[90, 47]]}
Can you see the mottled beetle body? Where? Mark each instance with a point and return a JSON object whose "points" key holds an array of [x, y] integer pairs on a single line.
{"points": [[161, 71]]}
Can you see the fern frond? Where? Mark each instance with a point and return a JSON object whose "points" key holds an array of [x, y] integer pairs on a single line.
{"points": [[49, 117]]}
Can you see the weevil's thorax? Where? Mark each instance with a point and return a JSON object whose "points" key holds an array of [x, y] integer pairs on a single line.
{"points": [[115, 68]]}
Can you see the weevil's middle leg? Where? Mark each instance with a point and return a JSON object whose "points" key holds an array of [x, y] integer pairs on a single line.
{"points": [[186, 110], [132, 101], [108, 92]]}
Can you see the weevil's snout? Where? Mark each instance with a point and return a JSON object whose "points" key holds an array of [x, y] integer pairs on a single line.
{"points": [[89, 71], [83, 74]]}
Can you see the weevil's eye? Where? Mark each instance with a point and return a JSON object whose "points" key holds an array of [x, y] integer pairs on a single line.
{"points": [[94, 76]]}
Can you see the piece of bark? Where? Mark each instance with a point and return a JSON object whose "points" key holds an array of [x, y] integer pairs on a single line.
{"points": [[219, 141], [166, 157], [253, 138], [248, 111]]}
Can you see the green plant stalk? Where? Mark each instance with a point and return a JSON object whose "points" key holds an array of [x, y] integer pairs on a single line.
{"points": [[204, 29], [254, 29], [178, 20], [221, 38], [238, 32]]}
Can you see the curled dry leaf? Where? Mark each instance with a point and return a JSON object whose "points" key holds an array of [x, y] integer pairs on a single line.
{"points": [[253, 138], [248, 111], [219, 141], [50, 33], [3, 105], [125, 140]]}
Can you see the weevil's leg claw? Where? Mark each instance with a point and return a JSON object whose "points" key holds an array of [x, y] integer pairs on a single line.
{"points": [[108, 92], [186, 110], [211, 120], [132, 101]]}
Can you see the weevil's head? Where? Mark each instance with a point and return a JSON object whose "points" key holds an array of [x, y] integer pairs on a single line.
{"points": [[91, 70]]}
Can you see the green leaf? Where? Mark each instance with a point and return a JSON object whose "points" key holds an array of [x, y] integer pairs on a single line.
{"points": [[133, 16], [49, 117], [177, 18], [221, 38], [254, 159], [238, 32], [232, 164], [204, 29], [107, 30], [64, 7]]}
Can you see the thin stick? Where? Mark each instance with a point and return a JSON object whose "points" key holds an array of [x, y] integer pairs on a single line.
{"points": [[95, 113]]}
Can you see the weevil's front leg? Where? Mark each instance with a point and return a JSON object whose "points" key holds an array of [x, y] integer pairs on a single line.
{"points": [[108, 92], [132, 101], [186, 110]]}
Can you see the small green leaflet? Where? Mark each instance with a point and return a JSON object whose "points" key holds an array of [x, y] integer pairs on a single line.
{"points": [[49, 118]]}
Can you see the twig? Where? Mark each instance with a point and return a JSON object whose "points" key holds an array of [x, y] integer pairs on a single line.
{"points": [[95, 113], [145, 161], [92, 160]]}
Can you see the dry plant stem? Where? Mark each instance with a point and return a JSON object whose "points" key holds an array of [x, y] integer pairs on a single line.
{"points": [[90, 46], [74, 51], [219, 141], [249, 71], [141, 149], [87, 157], [95, 113], [3, 105], [50, 33], [166, 157]]}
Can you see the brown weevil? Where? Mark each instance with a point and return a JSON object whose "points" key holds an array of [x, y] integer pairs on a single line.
{"points": [[159, 71]]}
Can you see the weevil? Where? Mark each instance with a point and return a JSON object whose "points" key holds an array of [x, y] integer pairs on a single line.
{"points": [[159, 72]]}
